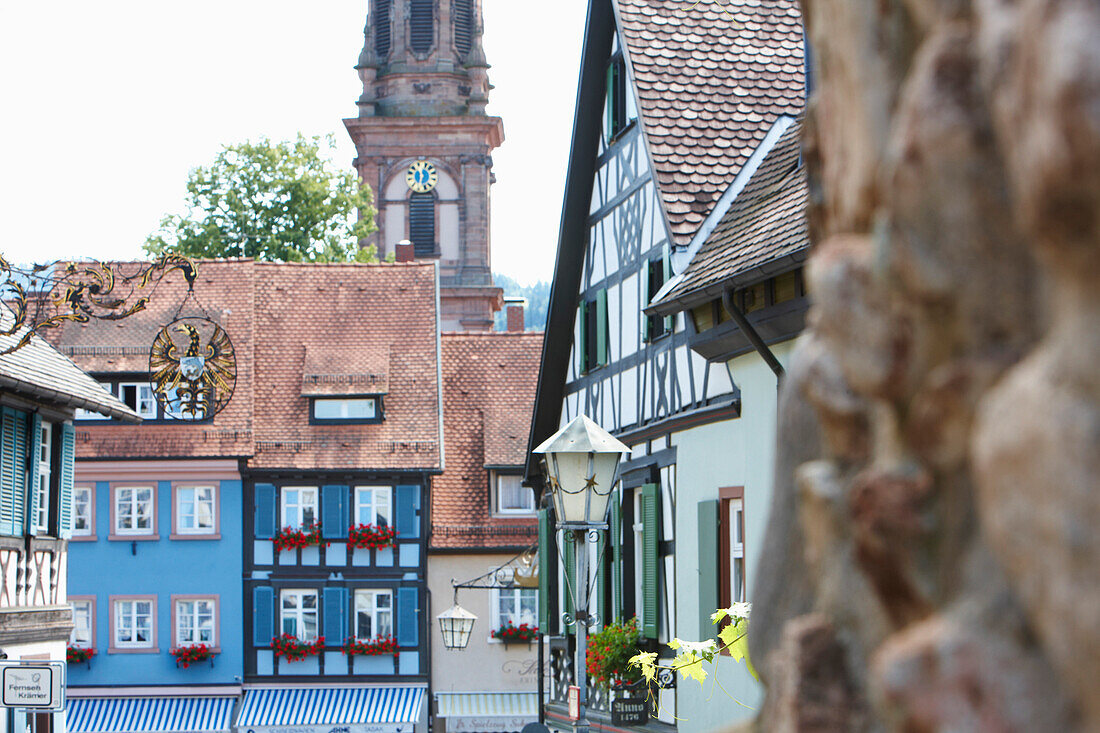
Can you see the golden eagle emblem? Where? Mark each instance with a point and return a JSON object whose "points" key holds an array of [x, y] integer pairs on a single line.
{"points": [[192, 380]]}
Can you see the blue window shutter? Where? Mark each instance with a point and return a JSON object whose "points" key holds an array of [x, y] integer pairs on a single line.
{"points": [[334, 511], [263, 615], [65, 483], [8, 463], [407, 503], [336, 626], [546, 566], [408, 631], [265, 511], [32, 494], [651, 576], [707, 534]]}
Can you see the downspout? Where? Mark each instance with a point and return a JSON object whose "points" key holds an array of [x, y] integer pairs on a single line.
{"points": [[750, 333]]}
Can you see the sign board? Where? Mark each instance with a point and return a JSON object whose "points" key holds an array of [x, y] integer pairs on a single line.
{"points": [[629, 711], [332, 728], [574, 698], [487, 723], [32, 685]]}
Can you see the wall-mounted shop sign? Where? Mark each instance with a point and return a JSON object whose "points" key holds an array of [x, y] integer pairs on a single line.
{"points": [[629, 711], [32, 685]]}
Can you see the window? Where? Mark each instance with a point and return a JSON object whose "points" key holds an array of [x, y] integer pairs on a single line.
{"points": [[421, 25], [41, 519], [372, 505], [422, 223], [593, 332], [731, 528], [134, 510], [299, 614], [299, 506], [617, 112], [138, 396], [382, 15], [134, 623], [176, 408], [657, 272], [82, 414], [196, 510], [373, 614], [345, 409], [83, 511], [516, 606], [464, 24], [511, 496], [83, 634], [196, 621]]}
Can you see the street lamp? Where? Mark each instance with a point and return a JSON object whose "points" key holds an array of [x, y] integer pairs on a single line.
{"points": [[456, 624], [580, 464]]}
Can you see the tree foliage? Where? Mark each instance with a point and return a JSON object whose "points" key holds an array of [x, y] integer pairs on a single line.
{"points": [[282, 201], [538, 301]]}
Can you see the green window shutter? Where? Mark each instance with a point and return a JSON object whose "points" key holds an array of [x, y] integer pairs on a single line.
{"points": [[708, 566], [65, 483], [609, 103], [616, 556], [651, 534], [570, 574], [32, 494], [601, 579], [586, 362], [546, 564], [667, 264], [601, 327]]}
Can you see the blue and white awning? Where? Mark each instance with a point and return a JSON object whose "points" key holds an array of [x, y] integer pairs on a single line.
{"points": [[385, 709], [149, 714], [487, 712]]}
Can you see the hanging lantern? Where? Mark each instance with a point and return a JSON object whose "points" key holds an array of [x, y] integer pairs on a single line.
{"points": [[456, 625], [580, 462]]}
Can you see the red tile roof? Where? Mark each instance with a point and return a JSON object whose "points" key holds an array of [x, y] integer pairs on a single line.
{"points": [[489, 384], [289, 323], [710, 78]]}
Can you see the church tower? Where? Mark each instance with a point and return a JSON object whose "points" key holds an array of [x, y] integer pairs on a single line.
{"points": [[423, 144]]}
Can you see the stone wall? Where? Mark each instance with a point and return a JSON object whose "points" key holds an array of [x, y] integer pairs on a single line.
{"points": [[933, 558]]}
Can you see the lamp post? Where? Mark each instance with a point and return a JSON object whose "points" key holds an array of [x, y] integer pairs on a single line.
{"points": [[580, 464]]}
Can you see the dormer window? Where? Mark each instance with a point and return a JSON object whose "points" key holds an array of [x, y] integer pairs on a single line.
{"points": [[357, 409]]}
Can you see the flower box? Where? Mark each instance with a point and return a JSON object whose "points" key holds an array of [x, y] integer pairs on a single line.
{"points": [[293, 649], [375, 647], [78, 654], [511, 634], [192, 654], [609, 651], [371, 536], [291, 538]]}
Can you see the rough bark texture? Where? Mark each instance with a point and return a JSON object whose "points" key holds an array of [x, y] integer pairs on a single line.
{"points": [[933, 559]]}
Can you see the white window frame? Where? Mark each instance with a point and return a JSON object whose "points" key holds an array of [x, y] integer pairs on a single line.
{"points": [[195, 629], [344, 403], [89, 511], [180, 504], [735, 509], [146, 400], [515, 597], [298, 505], [134, 614], [173, 407], [366, 601], [299, 613], [82, 414], [369, 500], [83, 619], [45, 455], [135, 504], [498, 495]]}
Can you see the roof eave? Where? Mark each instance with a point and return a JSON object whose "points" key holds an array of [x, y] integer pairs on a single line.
{"points": [[118, 412]]}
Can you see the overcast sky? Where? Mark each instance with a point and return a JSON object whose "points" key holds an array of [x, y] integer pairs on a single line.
{"points": [[107, 105]]}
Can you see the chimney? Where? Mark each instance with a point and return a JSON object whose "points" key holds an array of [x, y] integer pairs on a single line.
{"points": [[513, 309], [403, 251]]}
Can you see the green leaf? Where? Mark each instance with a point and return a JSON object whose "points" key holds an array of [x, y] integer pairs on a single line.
{"points": [[690, 665]]}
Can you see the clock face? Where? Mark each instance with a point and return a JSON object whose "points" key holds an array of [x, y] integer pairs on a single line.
{"points": [[421, 176]]}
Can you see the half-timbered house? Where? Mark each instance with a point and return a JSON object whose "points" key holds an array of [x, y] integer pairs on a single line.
{"points": [[672, 106]]}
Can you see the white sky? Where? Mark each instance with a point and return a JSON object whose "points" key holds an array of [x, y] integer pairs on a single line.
{"points": [[105, 106]]}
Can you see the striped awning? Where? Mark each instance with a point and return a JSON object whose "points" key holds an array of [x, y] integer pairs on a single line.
{"points": [[149, 714], [453, 704], [322, 706]]}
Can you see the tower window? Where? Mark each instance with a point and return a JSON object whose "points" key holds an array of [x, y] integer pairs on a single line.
{"points": [[382, 13], [464, 26], [421, 25], [422, 223], [617, 116]]}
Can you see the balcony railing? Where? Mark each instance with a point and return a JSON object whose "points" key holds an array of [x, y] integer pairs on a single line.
{"points": [[30, 571]]}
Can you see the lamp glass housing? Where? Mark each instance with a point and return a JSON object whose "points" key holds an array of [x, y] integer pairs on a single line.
{"points": [[456, 624], [582, 485]]}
